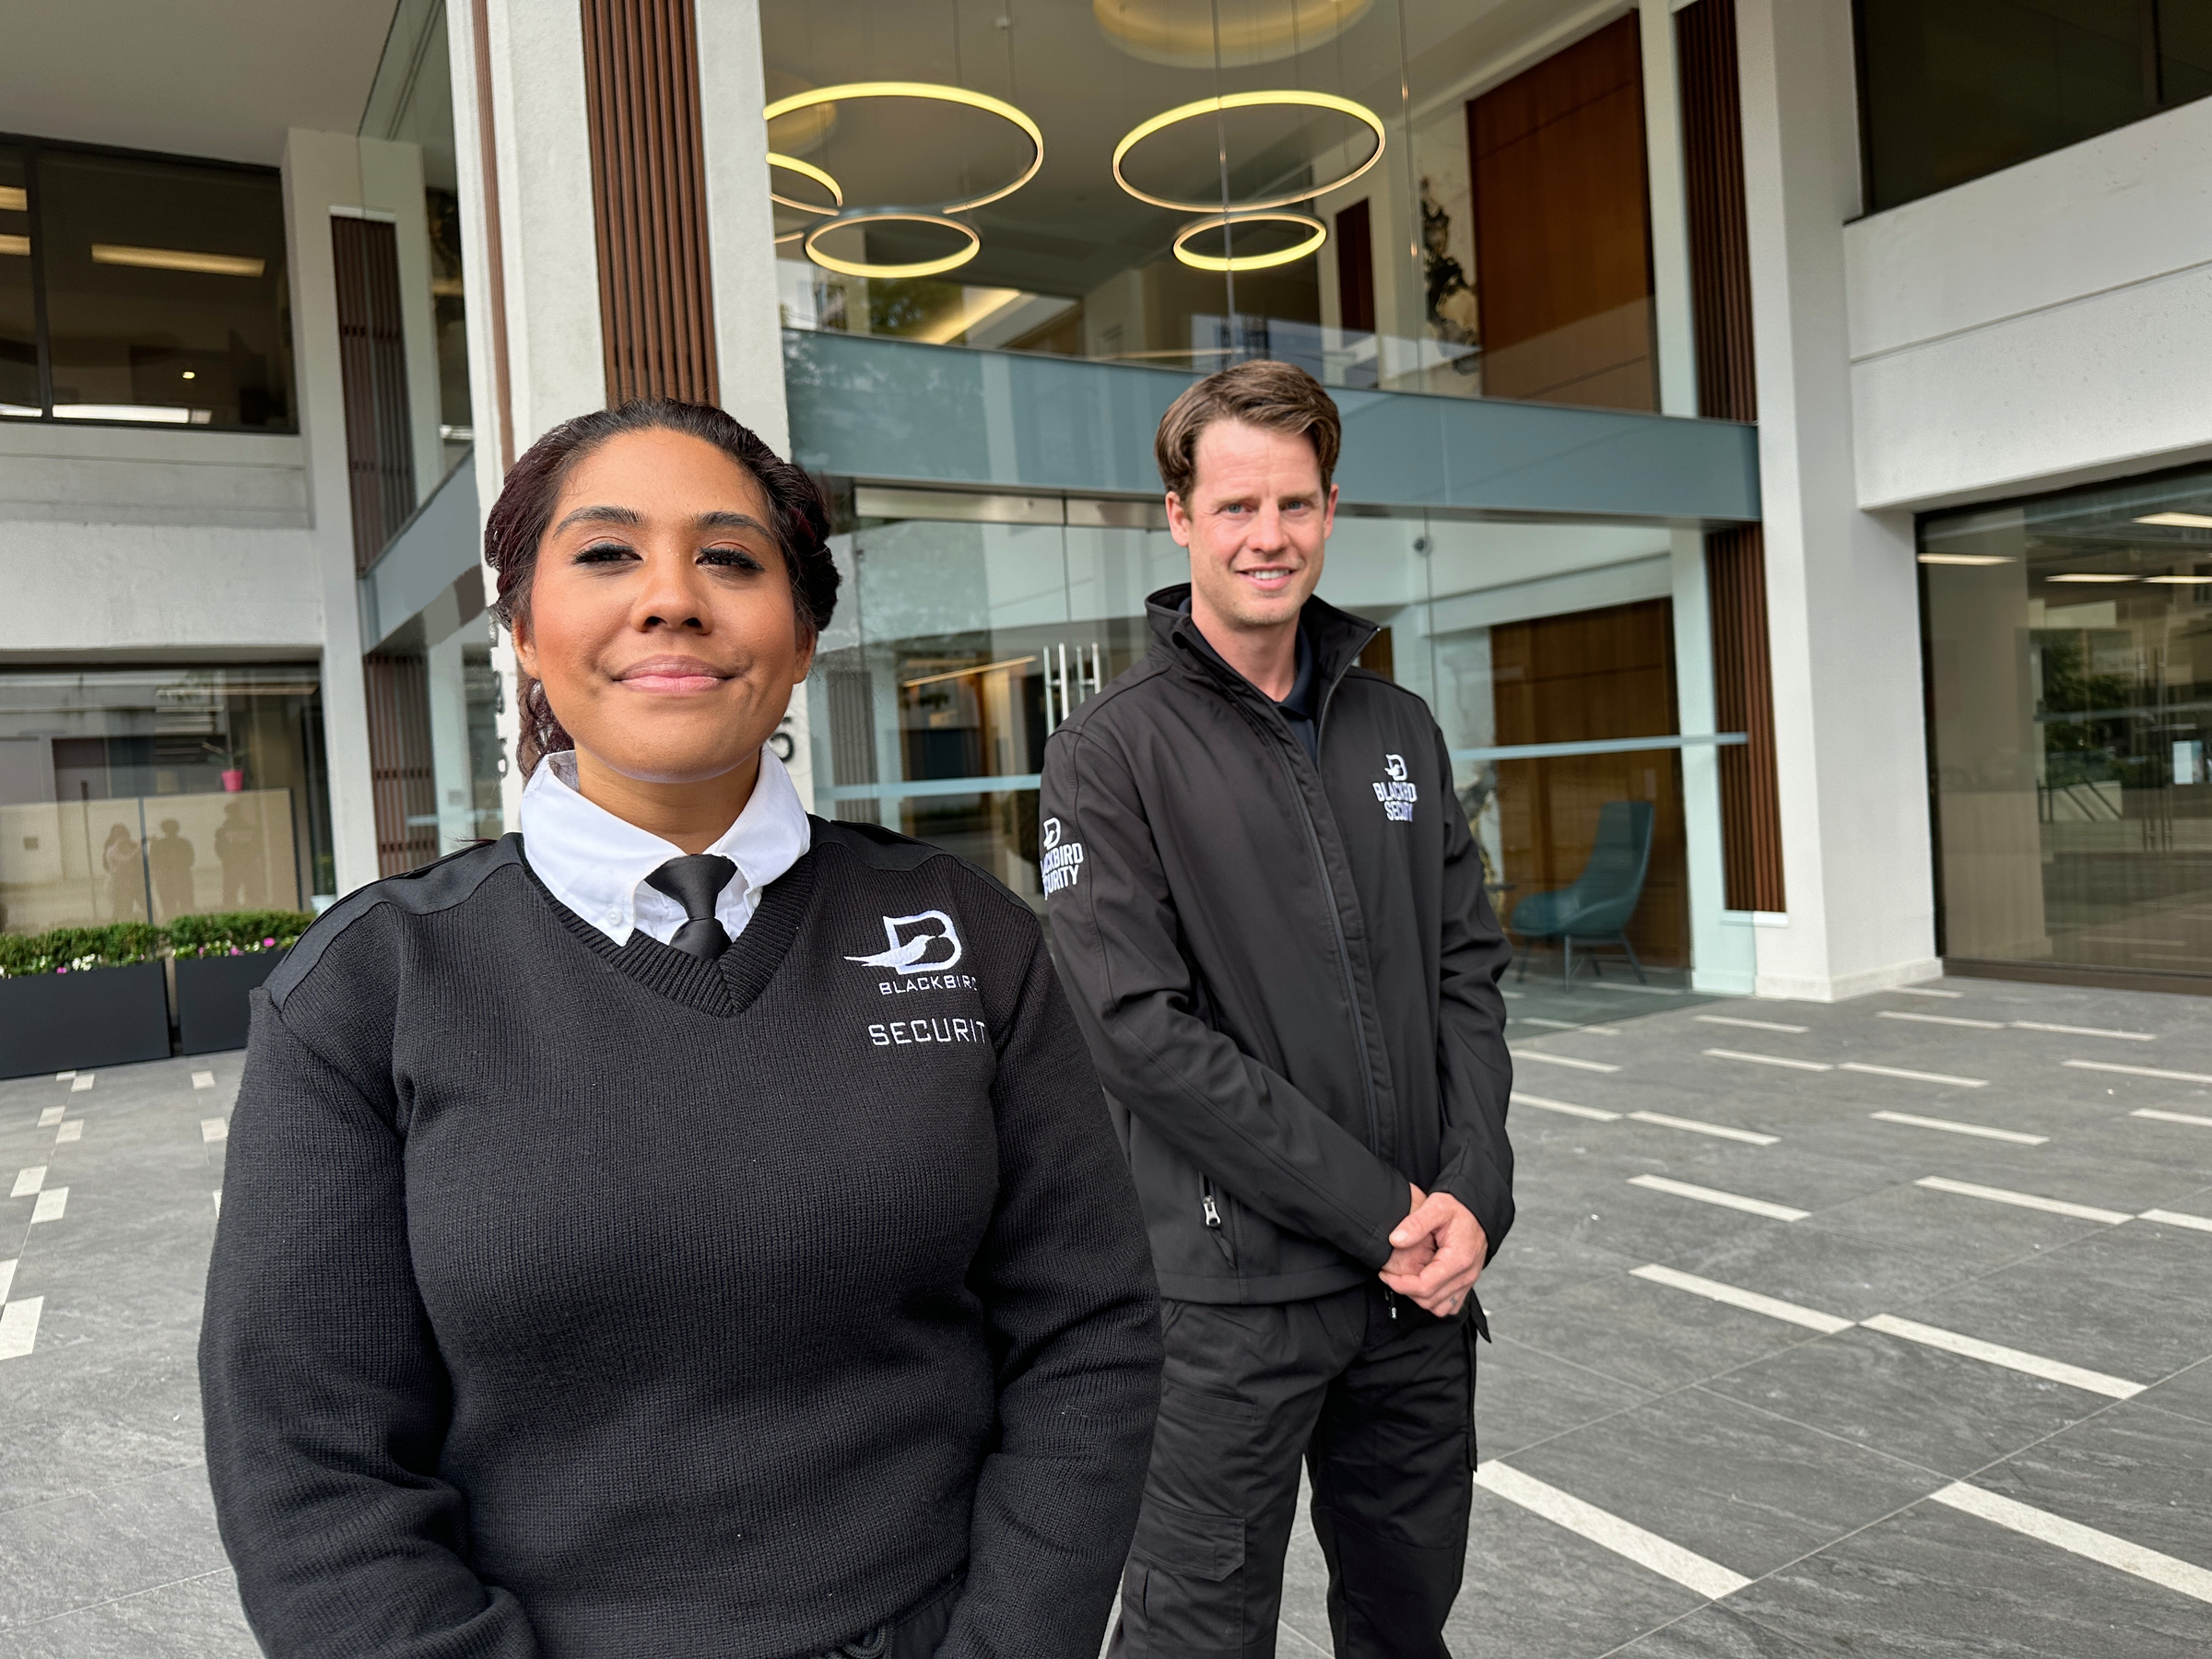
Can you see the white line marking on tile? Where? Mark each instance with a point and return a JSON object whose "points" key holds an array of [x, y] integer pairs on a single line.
{"points": [[1697, 1127], [72, 1130], [1633, 990], [1948, 1127], [1569, 1107], [1565, 1025], [2171, 1117], [29, 1181], [64, 1076], [2037, 1025], [20, 1327], [1923, 991], [202, 1079], [2057, 1207], [51, 1116], [1683, 1189], [2011, 1358], [217, 1197], [1595, 1065], [1828, 1324], [1916, 1076], [215, 1129], [1769, 1060], [2140, 1070], [82, 1081], [2099, 1546], [1949, 1019], [7, 1278], [50, 1204], [1647, 1549], [2177, 1218], [1749, 1025]]}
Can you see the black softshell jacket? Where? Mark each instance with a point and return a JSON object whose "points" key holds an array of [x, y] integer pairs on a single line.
{"points": [[1288, 974]]}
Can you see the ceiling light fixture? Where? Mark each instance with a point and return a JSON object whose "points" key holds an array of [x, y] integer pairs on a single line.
{"points": [[806, 169], [941, 94], [1318, 233], [13, 198], [1964, 559], [907, 216], [178, 259], [2179, 521], [19, 246], [2181, 580], [1248, 100], [2089, 576]]}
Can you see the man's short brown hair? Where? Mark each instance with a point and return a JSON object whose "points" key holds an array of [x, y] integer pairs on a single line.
{"points": [[1280, 397]]}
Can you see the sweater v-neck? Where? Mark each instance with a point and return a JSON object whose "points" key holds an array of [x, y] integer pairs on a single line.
{"points": [[725, 987]]}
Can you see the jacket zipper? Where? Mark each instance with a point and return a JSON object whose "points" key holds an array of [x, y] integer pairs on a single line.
{"points": [[1213, 1218]]}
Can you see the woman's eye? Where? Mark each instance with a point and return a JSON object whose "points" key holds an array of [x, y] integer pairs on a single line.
{"points": [[730, 557], [603, 553]]}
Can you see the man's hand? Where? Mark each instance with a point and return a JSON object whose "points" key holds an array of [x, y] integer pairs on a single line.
{"points": [[1436, 1253]]}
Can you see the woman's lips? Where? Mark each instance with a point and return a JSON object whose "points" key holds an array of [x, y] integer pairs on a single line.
{"points": [[672, 675]]}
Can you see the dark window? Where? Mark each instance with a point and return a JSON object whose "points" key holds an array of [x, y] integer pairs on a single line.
{"points": [[1356, 269], [1952, 89], [145, 290]]}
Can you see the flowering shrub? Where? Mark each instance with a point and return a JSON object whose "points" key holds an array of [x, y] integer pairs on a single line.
{"points": [[77, 949], [236, 933]]}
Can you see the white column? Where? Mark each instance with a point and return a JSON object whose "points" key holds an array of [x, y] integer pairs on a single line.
{"points": [[322, 170], [449, 740], [1842, 602], [1675, 328], [1721, 950], [748, 335], [549, 293], [391, 184]]}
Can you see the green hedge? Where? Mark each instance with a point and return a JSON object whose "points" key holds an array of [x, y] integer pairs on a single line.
{"points": [[76, 950]]}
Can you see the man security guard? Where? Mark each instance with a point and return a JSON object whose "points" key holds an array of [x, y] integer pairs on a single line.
{"points": [[1270, 915]]}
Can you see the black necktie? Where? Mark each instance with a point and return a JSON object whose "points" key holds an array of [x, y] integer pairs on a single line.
{"points": [[693, 882]]}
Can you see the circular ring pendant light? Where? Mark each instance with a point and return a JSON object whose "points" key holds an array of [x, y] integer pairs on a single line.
{"points": [[1247, 101], [941, 94], [869, 215], [806, 169], [1318, 233]]}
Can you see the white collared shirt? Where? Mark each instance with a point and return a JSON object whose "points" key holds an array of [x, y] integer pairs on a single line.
{"points": [[597, 864]]}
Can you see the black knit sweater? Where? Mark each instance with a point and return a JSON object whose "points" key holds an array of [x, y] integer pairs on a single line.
{"points": [[571, 1299]]}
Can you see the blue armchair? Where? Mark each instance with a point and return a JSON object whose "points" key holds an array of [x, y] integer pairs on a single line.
{"points": [[1596, 906]]}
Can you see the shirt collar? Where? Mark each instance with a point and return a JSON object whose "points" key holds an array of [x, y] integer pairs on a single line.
{"points": [[595, 862]]}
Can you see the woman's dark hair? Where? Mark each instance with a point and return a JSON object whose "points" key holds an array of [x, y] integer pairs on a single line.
{"points": [[519, 519]]}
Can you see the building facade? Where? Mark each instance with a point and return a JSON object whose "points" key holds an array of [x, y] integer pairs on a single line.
{"points": [[1771, 440]]}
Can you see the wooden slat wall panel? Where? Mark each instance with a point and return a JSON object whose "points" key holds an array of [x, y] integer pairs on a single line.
{"points": [[1719, 254], [640, 62], [1735, 574], [1355, 270], [401, 777], [372, 361]]}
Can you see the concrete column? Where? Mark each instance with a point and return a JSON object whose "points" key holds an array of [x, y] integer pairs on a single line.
{"points": [[391, 185], [748, 335], [322, 171], [449, 741], [1843, 602], [1675, 327], [1721, 950], [535, 270]]}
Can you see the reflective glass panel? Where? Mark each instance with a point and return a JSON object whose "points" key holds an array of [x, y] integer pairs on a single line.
{"points": [[18, 317], [2070, 659]]}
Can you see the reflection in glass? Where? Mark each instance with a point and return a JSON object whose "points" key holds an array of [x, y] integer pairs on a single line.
{"points": [[2070, 661], [131, 794], [19, 395]]}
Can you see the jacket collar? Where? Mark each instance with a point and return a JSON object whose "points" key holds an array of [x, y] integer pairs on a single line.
{"points": [[1337, 638]]}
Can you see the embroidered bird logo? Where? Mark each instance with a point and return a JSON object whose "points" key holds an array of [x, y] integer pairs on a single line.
{"points": [[906, 955]]}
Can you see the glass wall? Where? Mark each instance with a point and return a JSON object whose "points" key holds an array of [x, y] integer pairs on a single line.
{"points": [[2070, 664], [1152, 181], [1953, 90], [136, 793], [971, 625], [140, 289]]}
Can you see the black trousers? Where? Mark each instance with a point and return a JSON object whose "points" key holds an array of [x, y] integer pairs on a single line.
{"points": [[1382, 1410]]}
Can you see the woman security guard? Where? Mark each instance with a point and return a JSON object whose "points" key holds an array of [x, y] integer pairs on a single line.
{"points": [[602, 1270]]}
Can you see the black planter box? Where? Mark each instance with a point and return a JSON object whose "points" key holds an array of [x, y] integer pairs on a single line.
{"points": [[52, 1022], [212, 1010]]}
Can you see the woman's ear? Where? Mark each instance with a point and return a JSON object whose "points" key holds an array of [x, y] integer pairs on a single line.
{"points": [[526, 649]]}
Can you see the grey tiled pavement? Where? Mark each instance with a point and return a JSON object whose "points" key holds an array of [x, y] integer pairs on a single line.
{"points": [[1801, 1462]]}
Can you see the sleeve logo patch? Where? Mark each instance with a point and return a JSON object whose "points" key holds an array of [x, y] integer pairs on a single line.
{"points": [[1396, 791], [1062, 864]]}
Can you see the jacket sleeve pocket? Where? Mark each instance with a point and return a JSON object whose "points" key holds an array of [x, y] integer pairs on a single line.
{"points": [[1189, 1542]]}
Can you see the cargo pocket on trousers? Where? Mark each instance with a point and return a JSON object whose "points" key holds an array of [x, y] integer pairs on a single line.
{"points": [[1193, 1588]]}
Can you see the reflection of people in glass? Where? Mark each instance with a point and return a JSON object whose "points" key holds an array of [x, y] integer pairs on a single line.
{"points": [[238, 847], [1450, 301], [125, 889], [171, 858]]}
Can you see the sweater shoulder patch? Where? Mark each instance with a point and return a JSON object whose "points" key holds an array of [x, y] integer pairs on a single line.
{"points": [[435, 887], [876, 846]]}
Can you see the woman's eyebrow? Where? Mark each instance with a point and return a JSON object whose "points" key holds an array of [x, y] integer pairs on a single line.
{"points": [[730, 520], [629, 517]]}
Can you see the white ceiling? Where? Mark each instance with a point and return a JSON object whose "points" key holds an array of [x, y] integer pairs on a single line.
{"points": [[201, 78]]}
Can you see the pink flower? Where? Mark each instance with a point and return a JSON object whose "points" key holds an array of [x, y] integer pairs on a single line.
{"points": [[266, 943]]}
